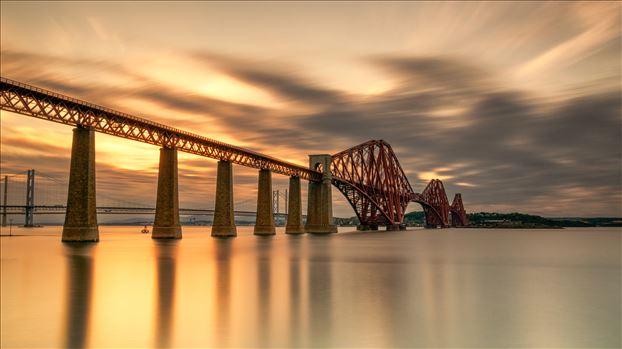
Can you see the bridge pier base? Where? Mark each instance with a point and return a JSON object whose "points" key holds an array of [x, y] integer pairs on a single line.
{"points": [[224, 219], [393, 227], [320, 205], [264, 223], [81, 215], [366, 227], [294, 208], [166, 223]]}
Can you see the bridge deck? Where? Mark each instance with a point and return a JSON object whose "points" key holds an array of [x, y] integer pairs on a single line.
{"points": [[44, 104]]}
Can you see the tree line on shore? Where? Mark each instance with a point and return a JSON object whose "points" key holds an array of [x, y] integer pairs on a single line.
{"points": [[521, 220]]}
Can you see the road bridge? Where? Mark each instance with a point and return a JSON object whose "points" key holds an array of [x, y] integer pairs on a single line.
{"points": [[61, 209]]}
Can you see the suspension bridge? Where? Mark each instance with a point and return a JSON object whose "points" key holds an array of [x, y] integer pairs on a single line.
{"points": [[29, 193], [368, 175]]}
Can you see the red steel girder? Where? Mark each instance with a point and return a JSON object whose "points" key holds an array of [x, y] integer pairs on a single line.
{"points": [[371, 178], [436, 199], [47, 105], [458, 214]]}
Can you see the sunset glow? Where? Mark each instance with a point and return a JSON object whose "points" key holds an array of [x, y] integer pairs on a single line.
{"points": [[524, 96]]}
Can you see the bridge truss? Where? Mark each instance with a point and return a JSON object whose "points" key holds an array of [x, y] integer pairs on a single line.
{"points": [[458, 214], [371, 178], [44, 104], [369, 174]]}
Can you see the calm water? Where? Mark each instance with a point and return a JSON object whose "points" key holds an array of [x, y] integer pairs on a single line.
{"points": [[418, 288]]}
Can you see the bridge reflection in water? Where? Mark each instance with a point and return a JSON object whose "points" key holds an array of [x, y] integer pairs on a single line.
{"points": [[446, 288], [166, 262], [79, 294], [286, 300]]}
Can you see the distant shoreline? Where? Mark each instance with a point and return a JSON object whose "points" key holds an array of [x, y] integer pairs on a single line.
{"points": [[480, 220]]}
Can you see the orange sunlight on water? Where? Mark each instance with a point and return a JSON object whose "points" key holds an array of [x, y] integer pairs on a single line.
{"points": [[418, 288]]}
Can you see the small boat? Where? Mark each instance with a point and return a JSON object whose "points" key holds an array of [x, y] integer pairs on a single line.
{"points": [[145, 230]]}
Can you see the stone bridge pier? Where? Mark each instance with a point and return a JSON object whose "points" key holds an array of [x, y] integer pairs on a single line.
{"points": [[166, 223], [294, 208], [81, 215], [320, 204], [264, 223], [224, 219]]}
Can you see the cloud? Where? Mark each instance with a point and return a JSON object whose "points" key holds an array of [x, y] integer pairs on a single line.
{"points": [[598, 26], [428, 72], [547, 148], [515, 149], [286, 83]]}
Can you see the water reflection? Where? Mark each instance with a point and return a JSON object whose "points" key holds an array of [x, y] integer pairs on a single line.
{"points": [[79, 259], [264, 248], [320, 296], [222, 291], [450, 288], [296, 263], [166, 256]]}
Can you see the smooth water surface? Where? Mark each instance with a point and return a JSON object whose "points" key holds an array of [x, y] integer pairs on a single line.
{"points": [[416, 288]]}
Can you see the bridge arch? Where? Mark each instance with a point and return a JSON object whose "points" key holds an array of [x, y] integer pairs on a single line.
{"points": [[373, 182], [371, 178], [359, 200], [361, 203], [429, 210]]}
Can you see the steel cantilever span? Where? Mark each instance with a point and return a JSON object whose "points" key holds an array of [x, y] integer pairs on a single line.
{"points": [[370, 176]]}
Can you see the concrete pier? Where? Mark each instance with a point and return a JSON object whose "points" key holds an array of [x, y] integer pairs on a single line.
{"points": [[320, 203], [393, 227], [224, 220], [81, 215], [166, 224], [294, 209], [366, 227], [264, 225]]}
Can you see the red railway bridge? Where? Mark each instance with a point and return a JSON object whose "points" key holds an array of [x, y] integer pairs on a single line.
{"points": [[369, 175]]}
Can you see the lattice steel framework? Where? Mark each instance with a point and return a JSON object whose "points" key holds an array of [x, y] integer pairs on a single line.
{"points": [[369, 174], [458, 214], [371, 178], [43, 104], [437, 206]]}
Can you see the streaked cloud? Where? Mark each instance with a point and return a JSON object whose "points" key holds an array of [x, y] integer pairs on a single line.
{"points": [[517, 114]]}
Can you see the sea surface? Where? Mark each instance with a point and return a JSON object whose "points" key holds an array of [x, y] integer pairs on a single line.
{"points": [[454, 288]]}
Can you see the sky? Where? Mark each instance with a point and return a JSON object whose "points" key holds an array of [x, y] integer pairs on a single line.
{"points": [[516, 105]]}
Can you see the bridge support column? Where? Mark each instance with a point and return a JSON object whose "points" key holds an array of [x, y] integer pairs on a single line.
{"points": [[81, 215], [166, 224], [320, 205], [294, 208], [366, 227], [224, 219], [29, 218], [264, 224]]}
